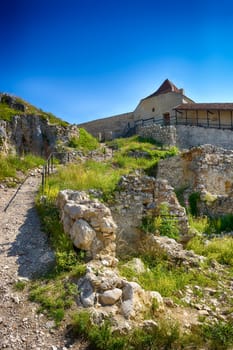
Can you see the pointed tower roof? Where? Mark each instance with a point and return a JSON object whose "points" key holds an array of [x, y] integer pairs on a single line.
{"points": [[167, 86]]}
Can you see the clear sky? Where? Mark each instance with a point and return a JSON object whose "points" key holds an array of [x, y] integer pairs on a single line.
{"points": [[89, 59]]}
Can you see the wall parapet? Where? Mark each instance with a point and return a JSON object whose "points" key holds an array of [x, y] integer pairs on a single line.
{"points": [[186, 136]]}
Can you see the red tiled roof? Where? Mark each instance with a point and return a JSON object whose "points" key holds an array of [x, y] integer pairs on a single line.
{"points": [[167, 86], [204, 106]]}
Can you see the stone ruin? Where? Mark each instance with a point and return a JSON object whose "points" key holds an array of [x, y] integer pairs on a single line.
{"points": [[138, 196], [207, 170], [92, 227], [102, 290]]}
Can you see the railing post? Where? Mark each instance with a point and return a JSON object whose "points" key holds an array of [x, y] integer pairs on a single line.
{"points": [[43, 181], [52, 163], [48, 165]]}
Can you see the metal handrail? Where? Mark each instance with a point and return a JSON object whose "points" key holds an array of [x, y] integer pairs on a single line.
{"points": [[48, 168], [174, 121], [16, 192]]}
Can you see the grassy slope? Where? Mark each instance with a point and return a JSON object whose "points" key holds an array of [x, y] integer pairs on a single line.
{"points": [[6, 113]]}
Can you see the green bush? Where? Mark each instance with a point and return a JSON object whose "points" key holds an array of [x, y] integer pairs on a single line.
{"points": [[194, 198], [222, 223], [219, 335], [85, 141], [220, 249], [163, 224]]}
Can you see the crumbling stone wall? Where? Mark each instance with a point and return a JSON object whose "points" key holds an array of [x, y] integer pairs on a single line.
{"points": [[207, 167], [139, 196], [89, 224]]}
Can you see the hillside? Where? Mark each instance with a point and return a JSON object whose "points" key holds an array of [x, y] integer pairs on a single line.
{"points": [[133, 256], [25, 128]]}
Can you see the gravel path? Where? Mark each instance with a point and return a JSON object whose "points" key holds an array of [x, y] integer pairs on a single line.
{"points": [[24, 253]]}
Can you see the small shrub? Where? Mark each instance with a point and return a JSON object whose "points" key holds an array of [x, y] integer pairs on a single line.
{"points": [[163, 224], [222, 223], [201, 224], [20, 285], [194, 198]]}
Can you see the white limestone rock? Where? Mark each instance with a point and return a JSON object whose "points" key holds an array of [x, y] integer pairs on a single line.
{"points": [[82, 234], [110, 297], [87, 294]]}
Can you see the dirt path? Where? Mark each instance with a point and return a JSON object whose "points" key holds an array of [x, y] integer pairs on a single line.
{"points": [[24, 253]]}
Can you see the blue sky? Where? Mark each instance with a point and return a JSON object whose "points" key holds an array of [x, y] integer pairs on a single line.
{"points": [[88, 59]]}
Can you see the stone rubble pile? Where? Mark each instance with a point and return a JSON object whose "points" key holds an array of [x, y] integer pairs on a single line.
{"points": [[175, 251]]}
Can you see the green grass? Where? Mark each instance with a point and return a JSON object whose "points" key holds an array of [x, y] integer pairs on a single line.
{"points": [[56, 292], [103, 176], [161, 275], [200, 223], [220, 249], [164, 224], [212, 225], [84, 176], [20, 285], [6, 113], [55, 296], [167, 279], [166, 335], [126, 146], [11, 164], [84, 142]]}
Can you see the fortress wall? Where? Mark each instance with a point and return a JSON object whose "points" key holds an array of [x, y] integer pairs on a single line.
{"points": [[108, 128]]}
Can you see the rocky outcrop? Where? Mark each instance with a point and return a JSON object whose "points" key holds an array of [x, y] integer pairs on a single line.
{"points": [[3, 137], [31, 133], [139, 196], [24, 128]]}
